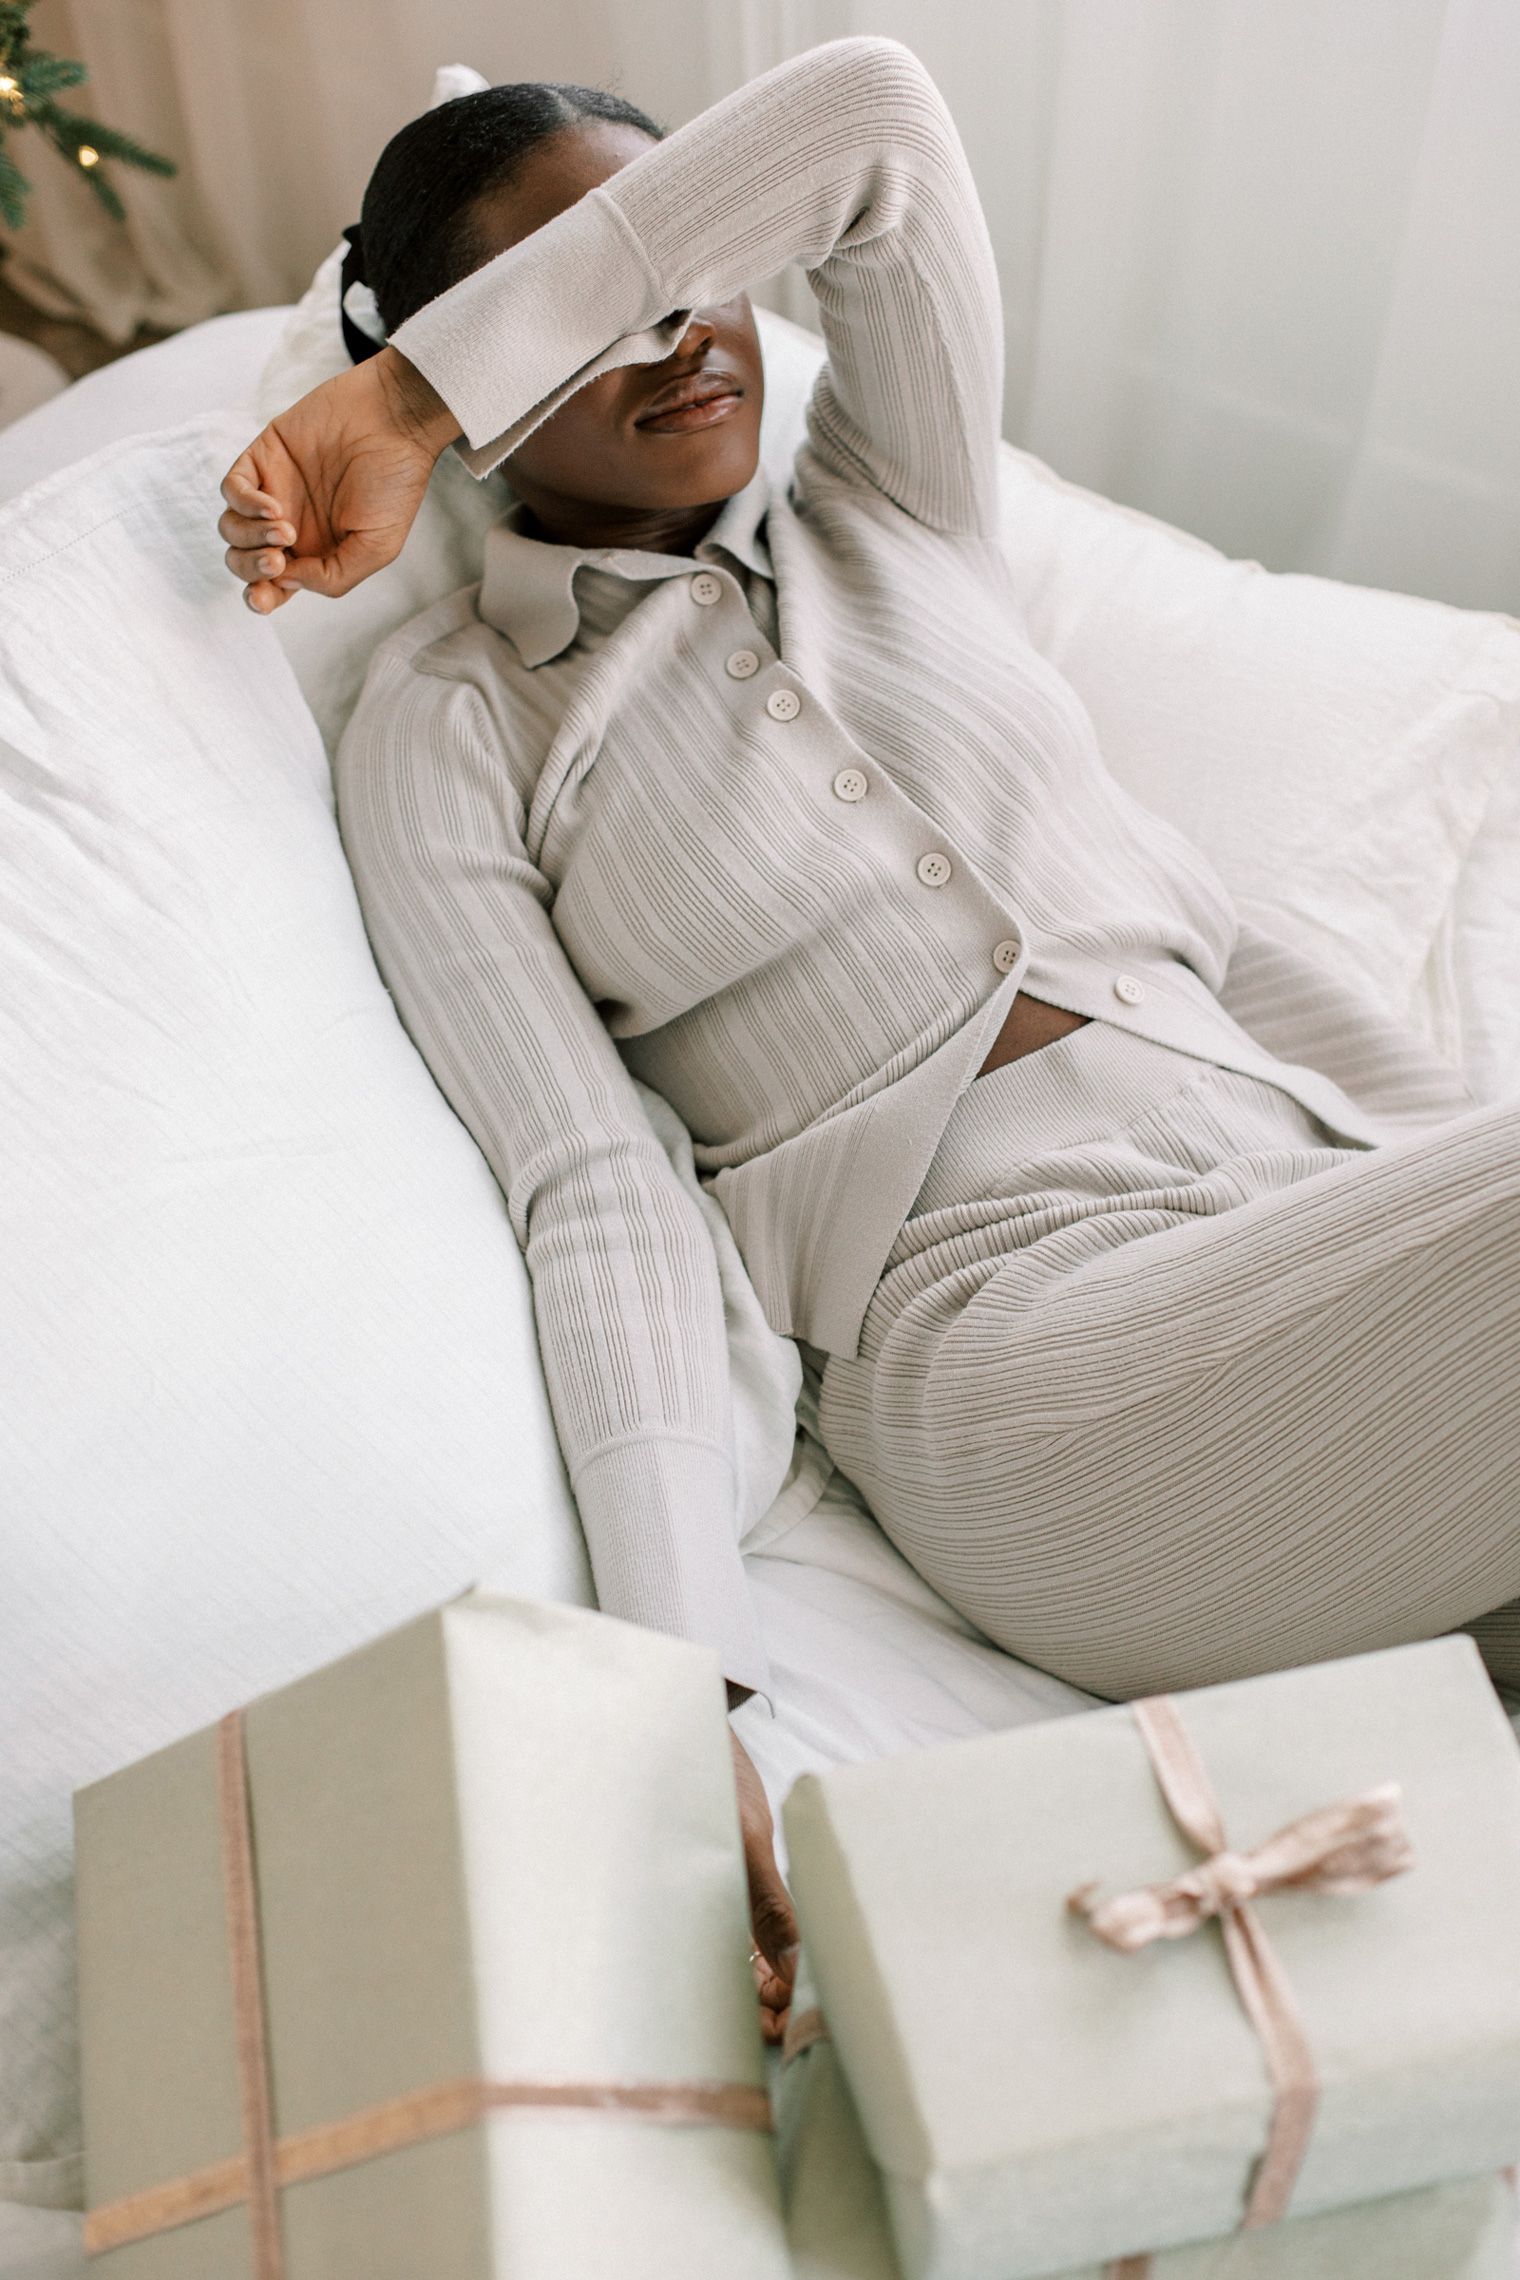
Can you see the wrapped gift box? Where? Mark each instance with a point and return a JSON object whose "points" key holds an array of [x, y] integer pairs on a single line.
{"points": [[836, 2214], [1038, 2103], [494, 1918]]}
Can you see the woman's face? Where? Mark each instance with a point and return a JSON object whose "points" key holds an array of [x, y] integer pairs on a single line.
{"points": [[605, 444]]}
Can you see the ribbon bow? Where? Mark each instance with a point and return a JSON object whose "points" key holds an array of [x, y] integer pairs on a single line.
{"points": [[1343, 1848]]}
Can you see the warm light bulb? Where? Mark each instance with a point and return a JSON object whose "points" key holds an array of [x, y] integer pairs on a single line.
{"points": [[88, 155], [8, 85]]}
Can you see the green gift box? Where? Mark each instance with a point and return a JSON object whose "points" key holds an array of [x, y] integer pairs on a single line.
{"points": [[836, 2214], [432, 1963], [1037, 2102]]}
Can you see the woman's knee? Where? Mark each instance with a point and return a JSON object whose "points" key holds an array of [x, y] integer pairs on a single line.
{"points": [[1498, 1639]]}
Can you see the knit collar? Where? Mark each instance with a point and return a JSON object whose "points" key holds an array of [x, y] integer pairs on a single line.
{"points": [[528, 591]]}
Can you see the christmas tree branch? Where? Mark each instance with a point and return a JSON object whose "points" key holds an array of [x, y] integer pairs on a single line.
{"points": [[30, 82]]}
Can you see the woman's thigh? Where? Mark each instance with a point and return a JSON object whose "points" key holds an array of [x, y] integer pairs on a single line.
{"points": [[1167, 1443]]}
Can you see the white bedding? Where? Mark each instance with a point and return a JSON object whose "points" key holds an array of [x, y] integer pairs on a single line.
{"points": [[867, 1659]]}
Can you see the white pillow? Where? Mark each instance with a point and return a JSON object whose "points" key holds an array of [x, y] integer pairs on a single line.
{"points": [[266, 1336], [1332, 748]]}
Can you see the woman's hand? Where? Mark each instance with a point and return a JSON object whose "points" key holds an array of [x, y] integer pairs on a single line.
{"points": [[326, 495], [770, 1904]]}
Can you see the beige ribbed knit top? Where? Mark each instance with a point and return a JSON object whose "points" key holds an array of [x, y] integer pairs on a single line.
{"points": [[780, 828]]}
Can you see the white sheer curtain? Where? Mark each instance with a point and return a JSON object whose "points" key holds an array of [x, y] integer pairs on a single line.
{"points": [[1258, 256]]}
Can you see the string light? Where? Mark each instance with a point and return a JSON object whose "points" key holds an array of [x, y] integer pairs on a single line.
{"points": [[88, 155]]}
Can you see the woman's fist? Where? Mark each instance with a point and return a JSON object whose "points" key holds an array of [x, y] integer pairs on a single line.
{"points": [[326, 495]]}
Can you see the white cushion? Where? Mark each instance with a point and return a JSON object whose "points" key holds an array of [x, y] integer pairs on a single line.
{"points": [[265, 1331], [209, 365], [1332, 748], [266, 1336]]}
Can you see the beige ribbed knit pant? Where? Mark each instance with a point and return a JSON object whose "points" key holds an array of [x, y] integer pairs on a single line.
{"points": [[1161, 1385]]}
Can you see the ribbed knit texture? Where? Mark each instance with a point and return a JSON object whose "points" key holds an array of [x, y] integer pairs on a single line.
{"points": [[797, 899], [1163, 1387]]}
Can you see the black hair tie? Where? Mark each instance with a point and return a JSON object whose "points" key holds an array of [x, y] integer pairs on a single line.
{"points": [[358, 344]]}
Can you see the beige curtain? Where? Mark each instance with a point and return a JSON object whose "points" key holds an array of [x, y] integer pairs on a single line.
{"points": [[1258, 256], [275, 110]]}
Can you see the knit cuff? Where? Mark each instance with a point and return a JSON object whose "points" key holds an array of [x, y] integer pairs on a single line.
{"points": [[500, 364], [660, 1521]]}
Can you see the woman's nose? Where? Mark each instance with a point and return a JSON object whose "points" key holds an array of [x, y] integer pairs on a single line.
{"points": [[699, 334]]}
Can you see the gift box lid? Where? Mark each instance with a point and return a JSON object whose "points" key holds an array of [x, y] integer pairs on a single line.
{"points": [[497, 1848], [1004, 2060]]}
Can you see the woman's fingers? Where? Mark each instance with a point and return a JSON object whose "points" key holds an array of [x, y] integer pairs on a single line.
{"points": [[266, 594], [249, 563], [771, 1913], [774, 1990], [271, 577], [355, 557], [772, 1917], [259, 532], [243, 490], [256, 530]]}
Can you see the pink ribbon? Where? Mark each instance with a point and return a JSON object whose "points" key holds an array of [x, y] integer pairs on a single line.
{"points": [[1341, 1848]]}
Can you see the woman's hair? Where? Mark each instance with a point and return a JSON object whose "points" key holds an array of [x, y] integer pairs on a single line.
{"points": [[416, 235]]}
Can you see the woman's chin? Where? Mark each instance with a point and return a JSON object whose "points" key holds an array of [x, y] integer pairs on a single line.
{"points": [[731, 446]]}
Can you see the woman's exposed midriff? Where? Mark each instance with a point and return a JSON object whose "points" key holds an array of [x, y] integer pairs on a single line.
{"points": [[1029, 1023]]}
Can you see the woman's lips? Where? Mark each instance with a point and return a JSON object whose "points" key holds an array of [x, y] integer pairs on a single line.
{"points": [[707, 413]]}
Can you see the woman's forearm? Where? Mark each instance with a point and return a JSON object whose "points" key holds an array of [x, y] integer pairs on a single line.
{"points": [[845, 160]]}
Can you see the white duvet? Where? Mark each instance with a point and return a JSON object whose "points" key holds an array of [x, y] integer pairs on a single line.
{"points": [[266, 1333]]}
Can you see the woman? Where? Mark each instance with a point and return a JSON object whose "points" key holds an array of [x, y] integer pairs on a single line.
{"points": [[1164, 1296]]}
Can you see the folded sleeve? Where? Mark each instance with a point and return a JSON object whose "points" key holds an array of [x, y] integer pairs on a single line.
{"points": [[626, 1291], [844, 159]]}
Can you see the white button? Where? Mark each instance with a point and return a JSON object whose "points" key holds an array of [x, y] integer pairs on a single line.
{"points": [[783, 704], [1005, 957], [706, 589], [850, 784], [741, 663], [934, 870], [1126, 987]]}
